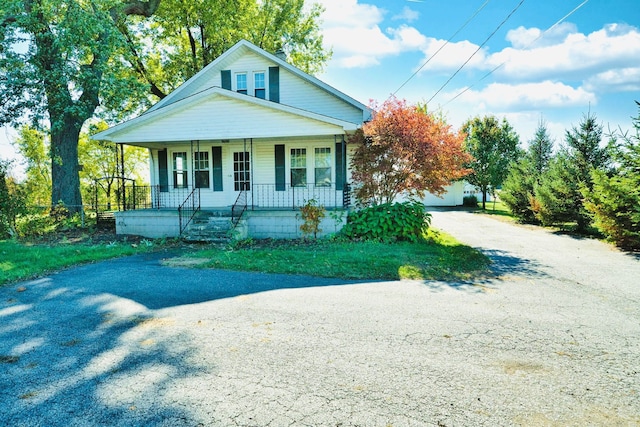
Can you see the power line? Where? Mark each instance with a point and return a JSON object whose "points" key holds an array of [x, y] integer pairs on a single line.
{"points": [[479, 47], [441, 47], [525, 47]]}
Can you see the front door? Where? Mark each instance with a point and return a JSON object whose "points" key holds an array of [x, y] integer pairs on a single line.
{"points": [[241, 171]]}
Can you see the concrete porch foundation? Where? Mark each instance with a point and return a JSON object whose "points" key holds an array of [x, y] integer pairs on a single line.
{"points": [[258, 224]]}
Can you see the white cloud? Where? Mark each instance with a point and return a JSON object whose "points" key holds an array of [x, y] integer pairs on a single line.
{"points": [[353, 31], [523, 38], [350, 13], [407, 14], [527, 96], [452, 55], [578, 56], [619, 80]]}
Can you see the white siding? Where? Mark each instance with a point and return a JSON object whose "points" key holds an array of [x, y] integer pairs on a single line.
{"points": [[223, 118], [301, 94], [451, 197]]}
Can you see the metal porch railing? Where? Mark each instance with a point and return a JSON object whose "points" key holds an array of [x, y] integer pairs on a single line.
{"points": [[188, 209]]}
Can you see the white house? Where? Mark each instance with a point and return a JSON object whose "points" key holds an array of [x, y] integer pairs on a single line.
{"points": [[249, 134]]}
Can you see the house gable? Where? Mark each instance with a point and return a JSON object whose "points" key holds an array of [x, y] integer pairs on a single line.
{"points": [[220, 114], [294, 87]]}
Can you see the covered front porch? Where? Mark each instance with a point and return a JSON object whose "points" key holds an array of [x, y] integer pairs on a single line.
{"points": [[261, 211]]}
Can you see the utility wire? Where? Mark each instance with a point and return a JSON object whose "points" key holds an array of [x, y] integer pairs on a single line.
{"points": [[474, 53], [441, 47], [529, 44]]}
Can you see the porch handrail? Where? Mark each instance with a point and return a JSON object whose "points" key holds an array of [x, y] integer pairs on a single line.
{"points": [[238, 208], [188, 209]]}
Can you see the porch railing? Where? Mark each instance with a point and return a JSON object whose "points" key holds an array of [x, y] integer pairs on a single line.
{"points": [[188, 209], [260, 196], [292, 197], [238, 208]]}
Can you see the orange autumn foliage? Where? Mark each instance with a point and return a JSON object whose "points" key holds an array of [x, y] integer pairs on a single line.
{"points": [[405, 150]]}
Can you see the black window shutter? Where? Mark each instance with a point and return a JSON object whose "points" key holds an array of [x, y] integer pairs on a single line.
{"points": [[280, 172], [339, 167], [274, 84], [225, 75], [216, 161], [163, 171]]}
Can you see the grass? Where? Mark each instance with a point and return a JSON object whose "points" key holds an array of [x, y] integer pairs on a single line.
{"points": [[439, 257], [23, 261], [497, 209]]}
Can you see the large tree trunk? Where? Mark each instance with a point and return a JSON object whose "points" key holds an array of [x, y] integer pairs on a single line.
{"points": [[64, 165], [484, 197]]}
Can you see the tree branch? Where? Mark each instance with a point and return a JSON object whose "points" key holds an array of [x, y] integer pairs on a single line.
{"points": [[140, 8]]}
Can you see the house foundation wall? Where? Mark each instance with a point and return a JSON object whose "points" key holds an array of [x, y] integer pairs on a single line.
{"points": [[154, 224], [255, 224], [286, 224]]}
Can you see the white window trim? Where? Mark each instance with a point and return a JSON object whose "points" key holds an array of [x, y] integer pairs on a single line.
{"points": [[251, 82]]}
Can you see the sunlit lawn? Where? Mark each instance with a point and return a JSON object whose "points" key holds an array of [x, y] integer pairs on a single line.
{"points": [[439, 257], [497, 208], [20, 261]]}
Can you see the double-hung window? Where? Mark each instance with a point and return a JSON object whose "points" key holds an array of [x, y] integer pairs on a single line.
{"points": [[259, 84], [241, 83], [322, 161], [298, 167], [201, 168], [180, 172]]}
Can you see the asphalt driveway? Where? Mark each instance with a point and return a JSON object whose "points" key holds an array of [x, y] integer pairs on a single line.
{"points": [[551, 340]]}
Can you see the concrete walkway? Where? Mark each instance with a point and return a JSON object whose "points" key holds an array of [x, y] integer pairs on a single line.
{"points": [[553, 340]]}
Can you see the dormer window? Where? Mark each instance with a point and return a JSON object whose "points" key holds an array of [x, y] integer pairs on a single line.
{"points": [[241, 83], [259, 84]]}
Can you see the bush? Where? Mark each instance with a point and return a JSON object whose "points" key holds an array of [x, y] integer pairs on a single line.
{"points": [[312, 215], [470, 201], [388, 222]]}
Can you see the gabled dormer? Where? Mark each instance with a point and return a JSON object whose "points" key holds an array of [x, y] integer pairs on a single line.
{"points": [[250, 70], [262, 81]]}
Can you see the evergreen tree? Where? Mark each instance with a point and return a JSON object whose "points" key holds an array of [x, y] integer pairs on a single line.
{"points": [[614, 200], [518, 189], [559, 196]]}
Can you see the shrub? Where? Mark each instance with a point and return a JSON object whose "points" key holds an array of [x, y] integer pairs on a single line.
{"points": [[312, 215], [470, 201], [388, 222]]}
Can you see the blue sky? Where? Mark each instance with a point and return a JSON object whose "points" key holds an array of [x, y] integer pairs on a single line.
{"points": [[590, 61]]}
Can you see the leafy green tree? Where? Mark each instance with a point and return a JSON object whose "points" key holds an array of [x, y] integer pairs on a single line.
{"points": [[69, 68], [186, 35], [559, 197], [614, 200], [518, 189], [64, 61], [11, 201], [32, 146], [493, 146], [100, 167]]}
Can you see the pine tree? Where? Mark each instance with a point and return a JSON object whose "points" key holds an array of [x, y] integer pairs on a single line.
{"points": [[614, 200], [518, 189], [559, 196]]}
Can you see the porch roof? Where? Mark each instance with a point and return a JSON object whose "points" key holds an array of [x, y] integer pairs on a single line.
{"points": [[220, 114]]}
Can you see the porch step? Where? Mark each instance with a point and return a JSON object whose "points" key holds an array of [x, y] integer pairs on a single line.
{"points": [[105, 220], [209, 226]]}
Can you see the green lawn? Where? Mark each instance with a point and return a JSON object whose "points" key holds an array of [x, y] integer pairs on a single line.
{"points": [[497, 209], [440, 257], [22, 261]]}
